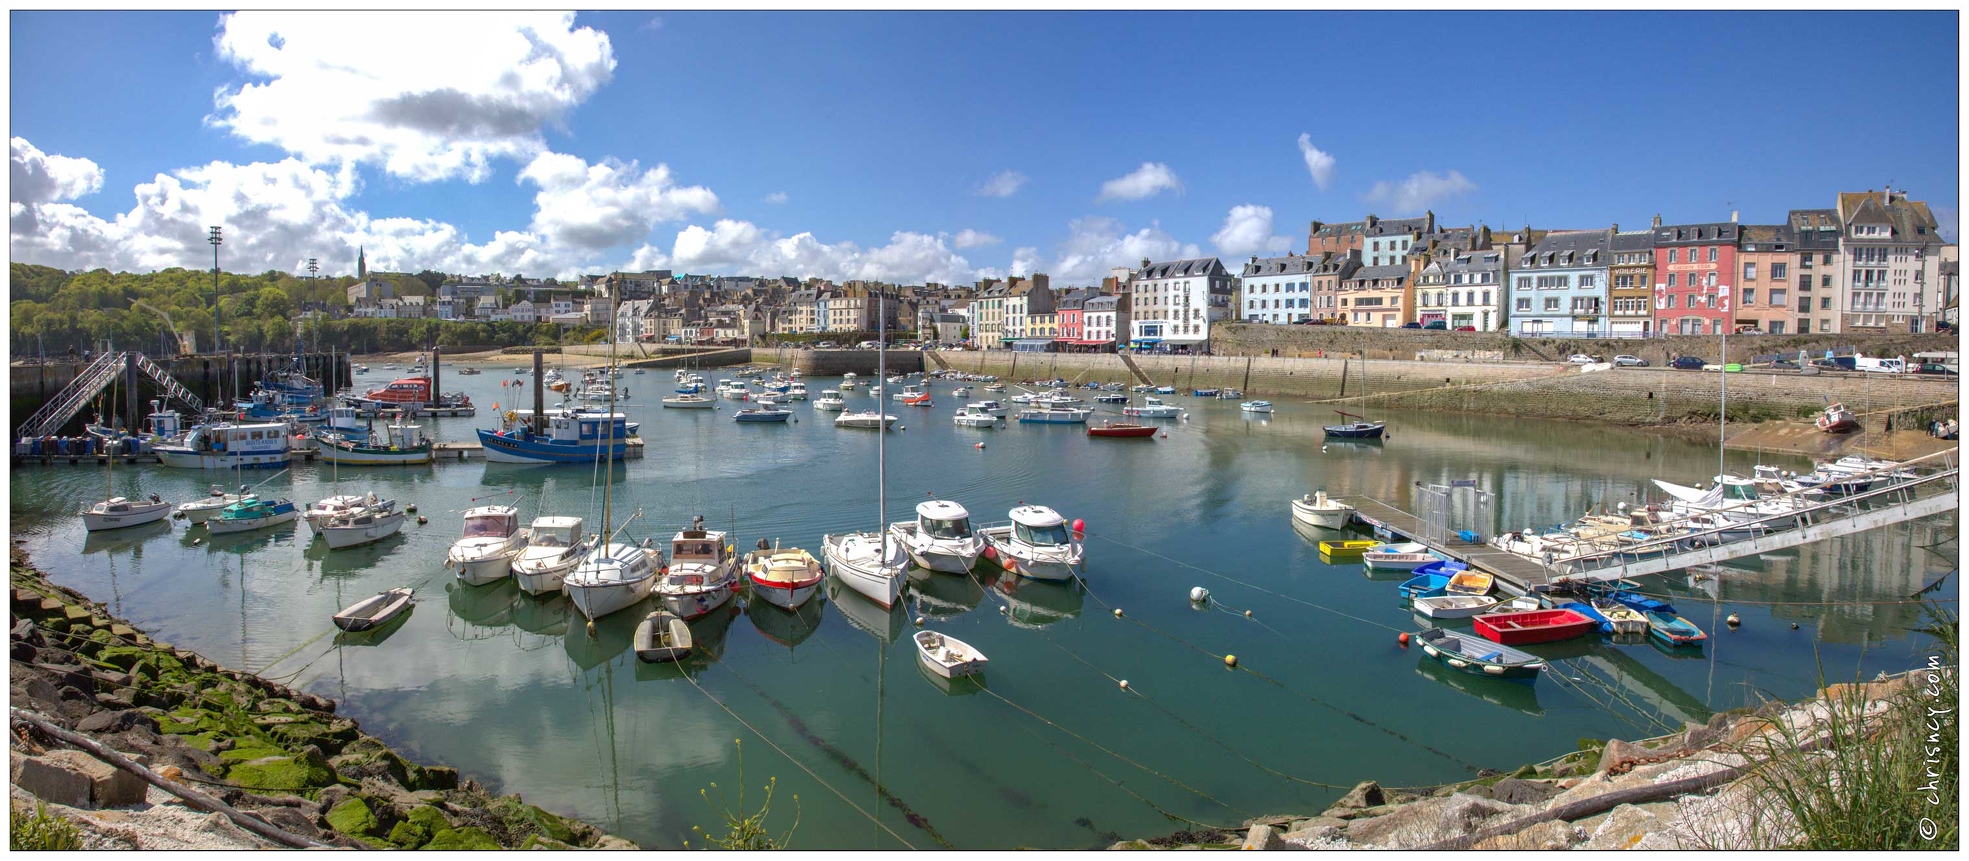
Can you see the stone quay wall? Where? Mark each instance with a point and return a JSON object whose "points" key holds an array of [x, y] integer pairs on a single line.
{"points": [[1257, 339]]}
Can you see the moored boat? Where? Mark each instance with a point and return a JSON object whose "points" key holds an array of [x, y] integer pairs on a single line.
{"points": [[662, 636], [1673, 629], [1125, 430], [940, 538], [1035, 544], [612, 577], [1356, 429], [358, 526], [1454, 606], [1318, 509], [702, 574], [870, 563], [578, 437], [1468, 582], [975, 416], [1344, 548], [484, 551], [1472, 655], [252, 513], [118, 512], [864, 419], [688, 402], [948, 656], [374, 611], [1431, 579], [554, 545], [764, 413], [1153, 408], [785, 578], [207, 507], [1049, 415], [1536, 626], [1406, 556], [1256, 406]]}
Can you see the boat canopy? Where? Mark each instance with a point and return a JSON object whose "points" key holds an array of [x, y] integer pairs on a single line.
{"points": [[941, 509], [1036, 515], [696, 545], [491, 521], [555, 531]]}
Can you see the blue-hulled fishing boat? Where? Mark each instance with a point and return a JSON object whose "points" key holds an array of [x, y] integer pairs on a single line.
{"points": [[578, 438]]}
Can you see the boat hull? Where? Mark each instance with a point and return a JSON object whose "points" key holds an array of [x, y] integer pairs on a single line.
{"points": [[227, 526], [504, 449], [1137, 432], [690, 605], [138, 515], [1541, 626], [359, 457], [201, 511], [785, 596], [877, 579], [339, 537], [600, 600], [184, 458]]}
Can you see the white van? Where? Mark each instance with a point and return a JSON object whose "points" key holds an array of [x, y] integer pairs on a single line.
{"points": [[1879, 366]]}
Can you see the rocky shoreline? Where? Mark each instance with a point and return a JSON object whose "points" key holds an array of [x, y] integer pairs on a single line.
{"points": [[275, 754]]}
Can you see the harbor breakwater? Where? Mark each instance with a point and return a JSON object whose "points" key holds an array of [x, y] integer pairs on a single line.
{"points": [[279, 757]]}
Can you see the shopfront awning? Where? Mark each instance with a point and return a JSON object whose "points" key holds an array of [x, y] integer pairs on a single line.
{"points": [[1092, 343]]}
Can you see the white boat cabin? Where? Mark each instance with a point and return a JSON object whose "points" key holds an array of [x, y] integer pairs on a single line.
{"points": [[239, 439], [943, 519], [1040, 526], [491, 521], [555, 531], [701, 546]]}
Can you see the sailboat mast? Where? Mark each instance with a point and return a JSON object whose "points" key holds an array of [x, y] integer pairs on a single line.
{"points": [[608, 462], [881, 419]]}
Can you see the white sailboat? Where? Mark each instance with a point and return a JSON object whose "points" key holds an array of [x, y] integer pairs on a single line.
{"points": [[872, 563], [615, 575], [116, 512]]}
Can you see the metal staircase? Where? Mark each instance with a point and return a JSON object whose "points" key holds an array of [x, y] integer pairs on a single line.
{"points": [[90, 382], [1136, 370]]}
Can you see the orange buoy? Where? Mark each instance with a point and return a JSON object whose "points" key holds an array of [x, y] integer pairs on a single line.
{"points": [[1402, 638]]}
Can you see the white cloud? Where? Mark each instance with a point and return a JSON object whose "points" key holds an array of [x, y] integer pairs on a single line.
{"points": [[36, 177], [1318, 162], [1151, 179], [606, 204], [1005, 184], [727, 242], [1096, 244], [646, 258], [1026, 260], [741, 246], [968, 238], [1247, 230], [776, 197], [425, 95], [1421, 190]]}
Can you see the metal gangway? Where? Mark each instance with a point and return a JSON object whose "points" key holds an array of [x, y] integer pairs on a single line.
{"points": [[1932, 489], [91, 381]]}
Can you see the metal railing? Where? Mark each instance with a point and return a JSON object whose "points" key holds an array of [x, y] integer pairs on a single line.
{"points": [[90, 382]]}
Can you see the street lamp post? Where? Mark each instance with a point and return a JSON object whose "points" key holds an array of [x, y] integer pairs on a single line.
{"points": [[313, 285], [218, 337]]}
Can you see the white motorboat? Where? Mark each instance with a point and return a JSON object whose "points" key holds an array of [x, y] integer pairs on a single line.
{"points": [[909, 392], [940, 538], [973, 415], [785, 578], [961, 392], [359, 526], [208, 507], [1035, 544], [1153, 408], [118, 512], [702, 575], [993, 407], [948, 656], [688, 402], [872, 564], [613, 578], [796, 392], [484, 552], [1406, 556], [554, 545], [865, 419], [1454, 606], [831, 401], [1256, 406], [767, 411], [252, 513], [227, 445], [333, 506], [1317, 509]]}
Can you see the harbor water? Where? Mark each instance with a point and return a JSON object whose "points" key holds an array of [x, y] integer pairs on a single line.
{"points": [[1051, 750]]}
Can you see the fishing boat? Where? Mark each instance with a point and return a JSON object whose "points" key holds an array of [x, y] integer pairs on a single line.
{"points": [[948, 656], [359, 526], [1356, 429], [785, 578], [209, 506], [1406, 556], [1468, 582], [974, 416], [403, 446], [1203, 393], [1836, 418], [227, 445], [345, 421], [577, 438], [1112, 428], [1471, 655], [940, 538], [864, 419], [908, 393], [1035, 544], [662, 636], [1153, 408], [922, 400], [1053, 416], [1352, 547], [1256, 407], [1318, 509], [484, 551], [252, 513], [831, 401], [1674, 630], [1536, 626], [765, 412], [688, 402], [1454, 606], [702, 575], [554, 545], [374, 611]]}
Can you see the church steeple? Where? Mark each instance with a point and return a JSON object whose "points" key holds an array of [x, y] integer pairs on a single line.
{"points": [[362, 265]]}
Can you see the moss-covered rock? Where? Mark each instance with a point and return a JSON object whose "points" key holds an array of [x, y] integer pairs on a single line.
{"points": [[522, 818], [409, 835], [439, 777], [288, 773], [354, 817], [368, 757], [124, 658], [429, 818], [467, 838], [248, 749]]}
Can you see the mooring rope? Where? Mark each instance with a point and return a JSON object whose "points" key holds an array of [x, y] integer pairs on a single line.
{"points": [[1247, 585]]}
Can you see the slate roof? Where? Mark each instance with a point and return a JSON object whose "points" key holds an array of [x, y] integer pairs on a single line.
{"points": [[1399, 272], [1293, 265], [1199, 267], [1769, 237], [1910, 220], [1630, 241], [1392, 226], [1569, 250], [1712, 233]]}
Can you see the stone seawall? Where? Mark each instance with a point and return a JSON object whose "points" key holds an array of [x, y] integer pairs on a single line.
{"points": [[1250, 339], [834, 363], [1255, 376]]}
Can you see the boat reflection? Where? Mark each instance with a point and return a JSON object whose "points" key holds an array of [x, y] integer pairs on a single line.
{"points": [[375, 636], [350, 560], [593, 644], [1035, 603], [546, 615], [788, 628], [962, 686], [1516, 695], [884, 625], [943, 596], [489, 606], [117, 541]]}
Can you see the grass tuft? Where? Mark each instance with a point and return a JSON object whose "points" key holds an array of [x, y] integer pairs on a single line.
{"points": [[42, 832], [743, 830]]}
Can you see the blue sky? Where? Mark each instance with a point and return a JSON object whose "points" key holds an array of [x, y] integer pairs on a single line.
{"points": [[861, 144]]}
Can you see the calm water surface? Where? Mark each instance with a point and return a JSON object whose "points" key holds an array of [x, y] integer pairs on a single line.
{"points": [[512, 691]]}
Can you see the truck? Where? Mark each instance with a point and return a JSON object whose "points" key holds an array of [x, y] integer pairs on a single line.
{"points": [[1877, 365]]}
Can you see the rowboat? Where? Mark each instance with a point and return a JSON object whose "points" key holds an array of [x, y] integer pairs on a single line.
{"points": [[1622, 619], [1355, 430], [1122, 429], [948, 656], [1432, 579], [373, 611], [1454, 606], [1467, 582], [1471, 655], [1674, 629], [1537, 626], [1317, 509], [1347, 548], [1837, 419], [785, 578], [1522, 604], [1406, 556], [662, 637]]}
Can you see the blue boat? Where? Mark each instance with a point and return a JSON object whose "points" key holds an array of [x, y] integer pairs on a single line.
{"points": [[579, 438], [1431, 580], [1641, 603], [1589, 611], [1674, 630], [1165, 390]]}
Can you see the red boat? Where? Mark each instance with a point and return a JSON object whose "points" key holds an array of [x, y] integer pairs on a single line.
{"points": [[1837, 419], [409, 390], [1533, 626], [1121, 429]]}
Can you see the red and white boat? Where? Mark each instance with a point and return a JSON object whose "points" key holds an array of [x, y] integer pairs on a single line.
{"points": [[1837, 419], [1121, 429], [409, 390], [918, 400], [784, 578], [1534, 626]]}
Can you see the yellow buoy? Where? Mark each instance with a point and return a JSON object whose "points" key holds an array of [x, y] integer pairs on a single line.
{"points": [[1230, 661], [591, 627]]}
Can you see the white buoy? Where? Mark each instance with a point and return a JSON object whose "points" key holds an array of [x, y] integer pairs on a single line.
{"points": [[1199, 594]]}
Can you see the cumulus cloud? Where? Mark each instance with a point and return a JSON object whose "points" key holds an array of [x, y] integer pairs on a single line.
{"points": [[607, 204], [1421, 190], [1318, 162], [729, 241], [968, 238], [776, 197], [1005, 184], [1247, 230], [37, 177], [646, 258], [741, 246], [1149, 180], [1026, 260], [1096, 244], [424, 95]]}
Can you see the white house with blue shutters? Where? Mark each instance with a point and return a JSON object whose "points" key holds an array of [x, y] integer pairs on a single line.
{"points": [[1278, 289]]}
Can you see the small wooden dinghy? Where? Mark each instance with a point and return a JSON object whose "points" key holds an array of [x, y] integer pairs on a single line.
{"points": [[1537, 626], [1406, 556], [1478, 657], [1674, 630], [1622, 619], [948, 656], [1467, 582], [375, 611], [662, 636], [1454, 606]]}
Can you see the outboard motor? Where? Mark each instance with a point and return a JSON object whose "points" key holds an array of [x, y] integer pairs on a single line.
{"points": [[765, 545]]}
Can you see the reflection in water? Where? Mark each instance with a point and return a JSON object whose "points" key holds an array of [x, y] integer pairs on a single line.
{"points": [[943, 596], [788, 628], [123, 541], [1518, 696], [1035, 603], [958, 687], [884, 625]]}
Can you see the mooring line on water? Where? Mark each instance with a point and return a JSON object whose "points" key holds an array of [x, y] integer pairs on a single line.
{"points": [[1097, 746], [1117, 783], [1228, 577]]}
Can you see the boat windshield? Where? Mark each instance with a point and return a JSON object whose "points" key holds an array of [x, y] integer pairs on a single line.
{"points": [[1740, 492], [486, 526], [1042, 536], [694, 549], [544, 536], [959, 528]]}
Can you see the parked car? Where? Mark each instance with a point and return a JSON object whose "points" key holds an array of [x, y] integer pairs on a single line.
{"points": [[1411, 325], [1686, 363], [1581, 359], [1436, 324], [1784, 365], [1836, 363], [1747, 330], [1934, 368], [1466, 328], [1630, 362]]}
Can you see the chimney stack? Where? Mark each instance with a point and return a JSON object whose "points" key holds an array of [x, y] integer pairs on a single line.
{"points": [[1733, 216], [1657, 222], [1616, 227]]}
